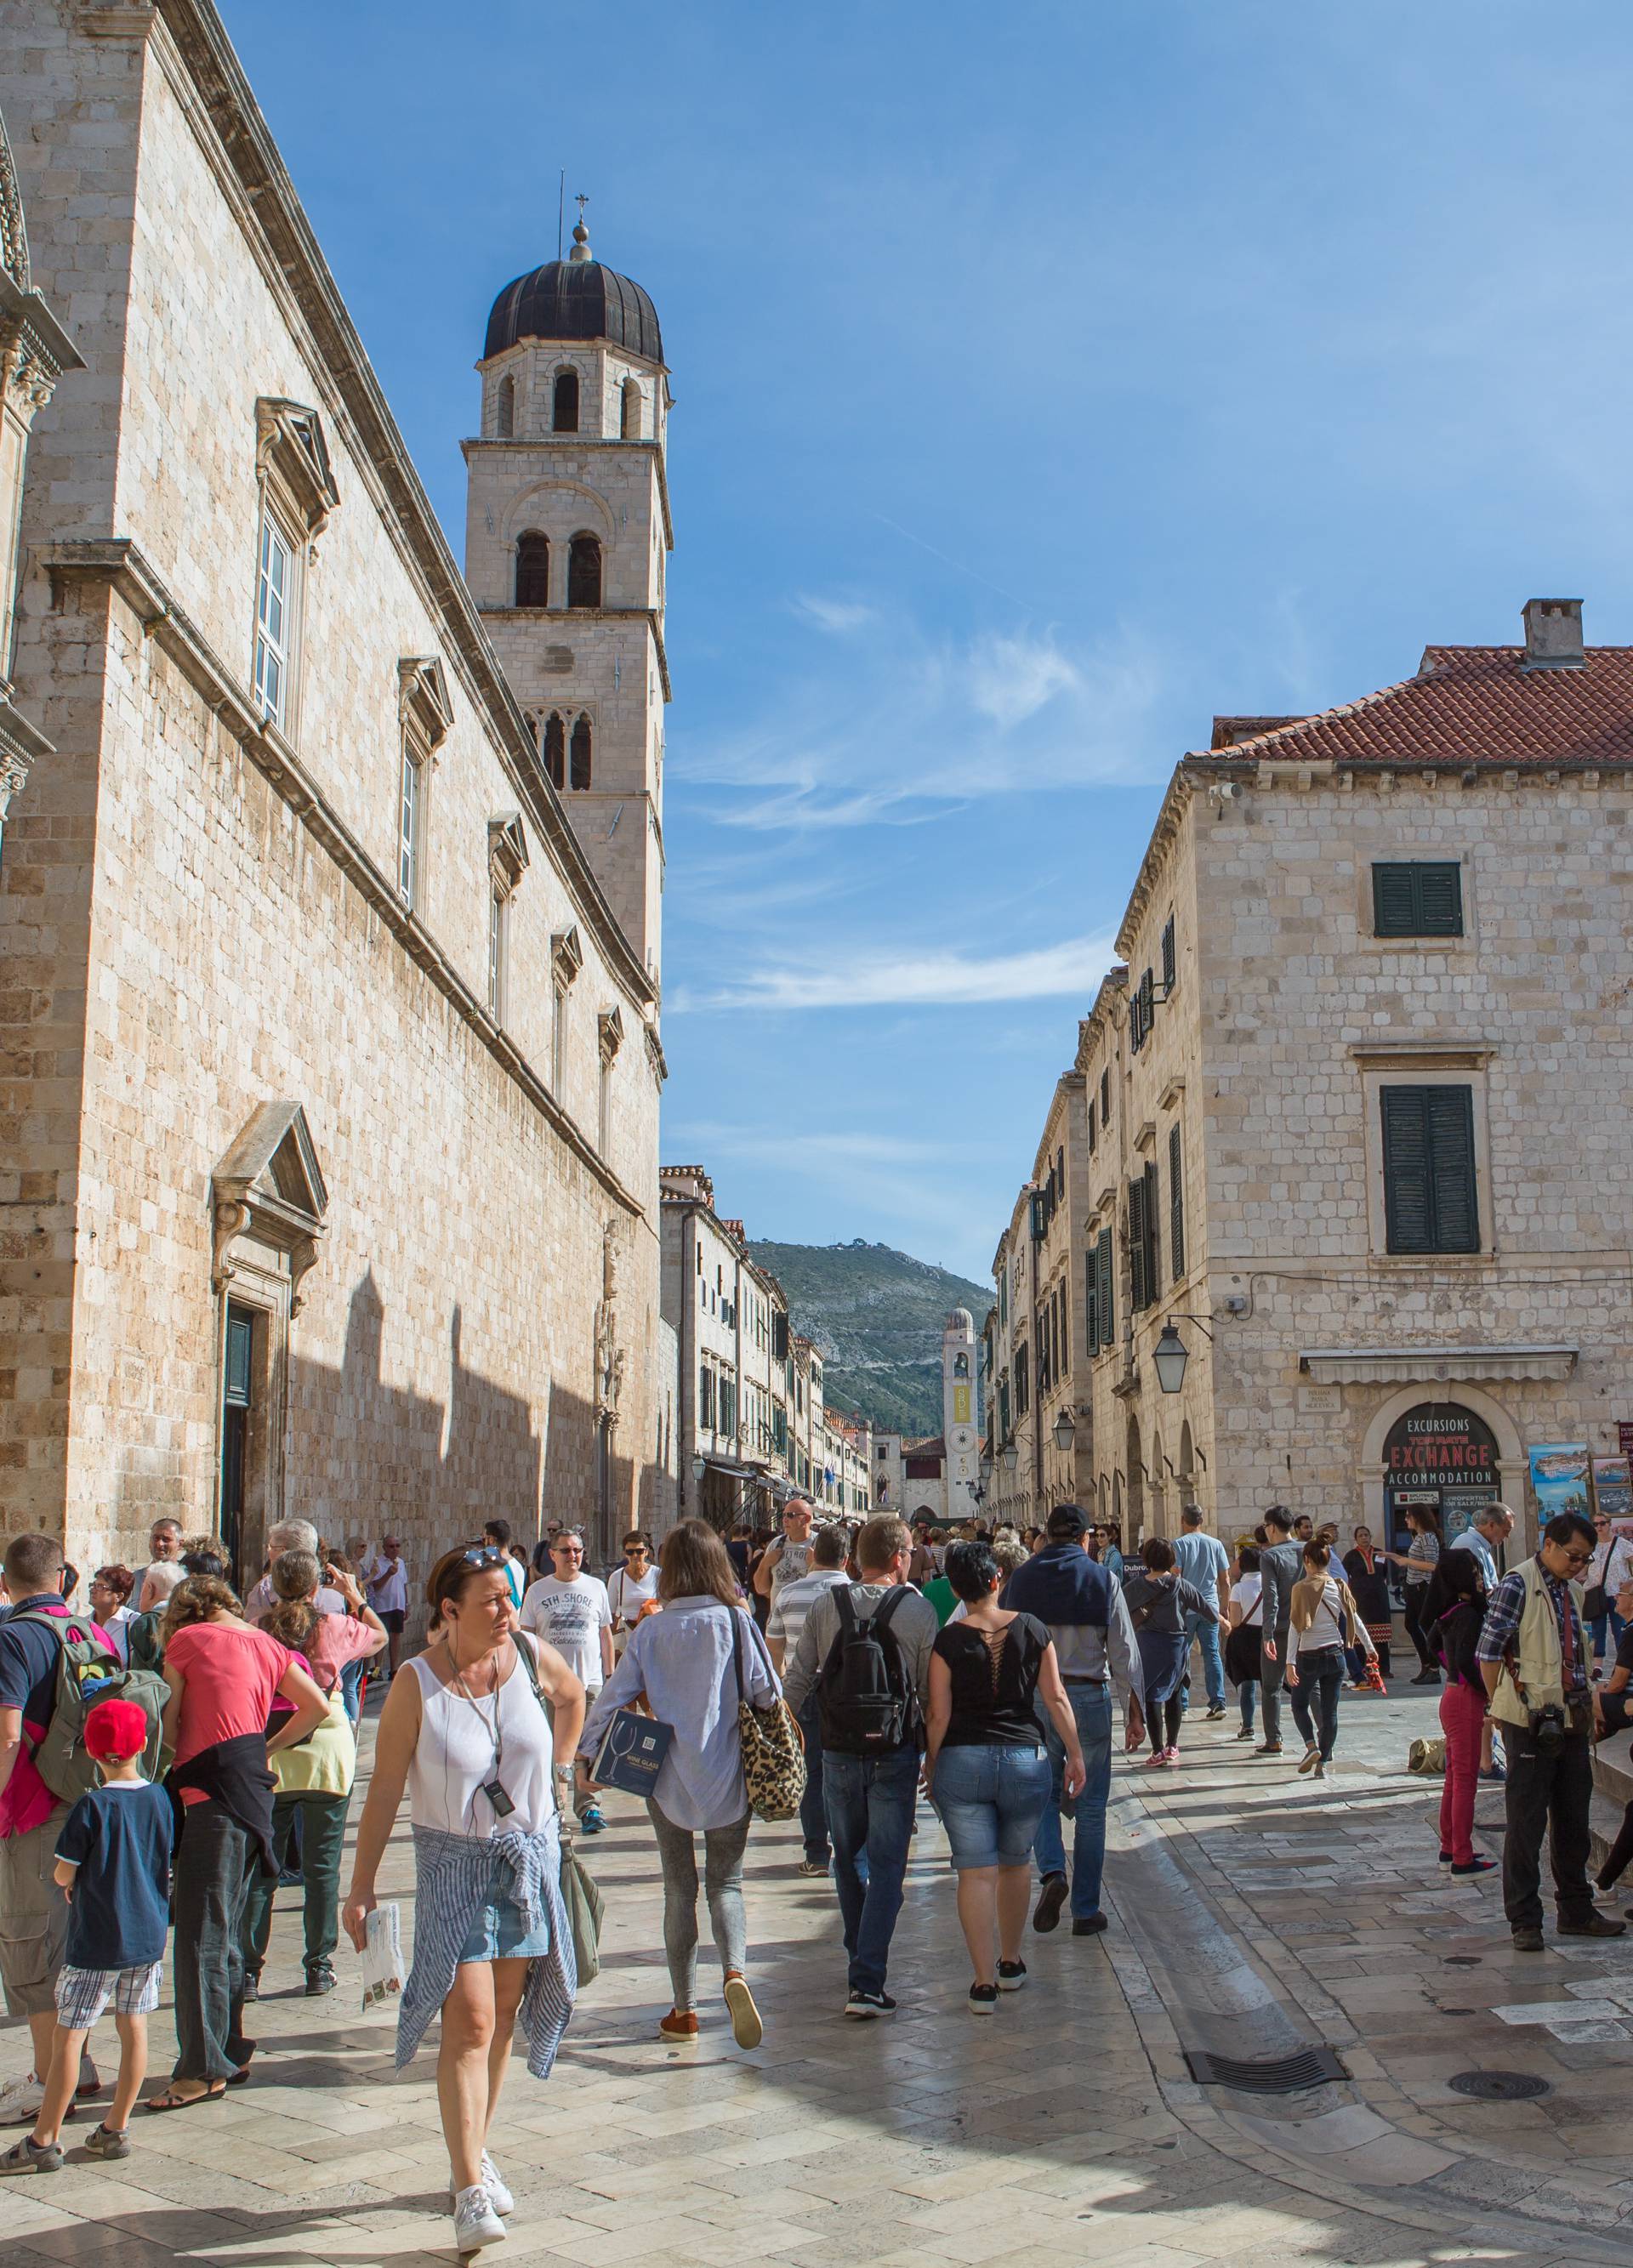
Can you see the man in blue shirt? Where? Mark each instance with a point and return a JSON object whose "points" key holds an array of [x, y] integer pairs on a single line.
{"points": [[1205, 1564]]}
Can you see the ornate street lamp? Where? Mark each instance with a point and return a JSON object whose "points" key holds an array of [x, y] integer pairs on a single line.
{"points": [[1169, 1358], [1011, 1460], [1065, 1430]]}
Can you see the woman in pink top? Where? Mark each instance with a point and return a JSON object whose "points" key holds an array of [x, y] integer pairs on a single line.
{"points": [[223, 1674]]}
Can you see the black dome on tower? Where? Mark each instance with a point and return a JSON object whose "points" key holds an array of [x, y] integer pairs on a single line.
{"points": [[575, 298]]}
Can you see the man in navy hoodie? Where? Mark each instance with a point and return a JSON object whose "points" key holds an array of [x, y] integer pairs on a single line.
{"points": [[1083, 1604]]}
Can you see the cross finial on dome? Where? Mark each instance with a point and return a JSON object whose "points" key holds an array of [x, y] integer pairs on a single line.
{"points": [[581, 235]]}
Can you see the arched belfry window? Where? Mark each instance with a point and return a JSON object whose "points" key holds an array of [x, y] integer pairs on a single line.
{"points": [[578, 774], [556, 749], [565, 406], [584, 571], [505, 408], [533, 570], [631, 427]]}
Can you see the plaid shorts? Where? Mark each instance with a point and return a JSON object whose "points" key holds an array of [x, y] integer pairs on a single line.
{"points": [[82, 1994]]}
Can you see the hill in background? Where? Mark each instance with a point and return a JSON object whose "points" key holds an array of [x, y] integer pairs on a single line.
{"points": [[876, 1316]]}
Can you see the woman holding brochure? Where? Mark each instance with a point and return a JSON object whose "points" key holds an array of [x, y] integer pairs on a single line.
{"points": [[465, 1731], [684, 1662]]}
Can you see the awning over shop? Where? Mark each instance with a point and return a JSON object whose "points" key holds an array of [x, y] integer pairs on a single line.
{"points": [[1407, 1365]]}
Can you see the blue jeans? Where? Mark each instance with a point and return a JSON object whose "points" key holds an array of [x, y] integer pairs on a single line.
{"points": [[351, 1688], [991, 1799], [1091, 1706], [869, 1806], [1315, 1697], [1247, 1694], [1207, 1631], [813, 1815], [1611, 1622]]}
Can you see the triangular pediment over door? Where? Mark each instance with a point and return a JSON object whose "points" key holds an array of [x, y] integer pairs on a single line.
{"points": [[269, 1190]]}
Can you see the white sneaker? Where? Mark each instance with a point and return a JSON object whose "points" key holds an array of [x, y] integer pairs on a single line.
{"points": [[21, 2101], [498, 2197], [475, 2221]]}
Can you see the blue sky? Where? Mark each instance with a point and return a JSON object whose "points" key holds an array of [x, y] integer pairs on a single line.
{"points": [[1047, 381]]}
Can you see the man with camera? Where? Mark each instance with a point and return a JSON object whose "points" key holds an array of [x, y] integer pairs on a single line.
{"points": [[1533, 1660]]}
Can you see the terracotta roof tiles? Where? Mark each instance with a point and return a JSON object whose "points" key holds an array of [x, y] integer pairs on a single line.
{"points": [[1472, 705]]}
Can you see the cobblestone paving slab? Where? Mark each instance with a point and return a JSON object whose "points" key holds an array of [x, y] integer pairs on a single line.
{"points": [[1065, 2130]]}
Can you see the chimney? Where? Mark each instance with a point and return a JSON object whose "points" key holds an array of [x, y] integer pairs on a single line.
{"points": [[1554, 634]]}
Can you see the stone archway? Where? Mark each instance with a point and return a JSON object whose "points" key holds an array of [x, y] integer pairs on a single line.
{"points": [[1483, 1406]]}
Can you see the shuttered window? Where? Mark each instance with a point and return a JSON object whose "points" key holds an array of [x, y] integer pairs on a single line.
{"points": [[1091, 1299], [1106, 1293], [1418, 897], [1170, 956], [1430, 1200], [1176, 1205], [1144, 1239]]}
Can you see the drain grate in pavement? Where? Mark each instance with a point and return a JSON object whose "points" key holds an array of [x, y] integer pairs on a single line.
{"points": [[1499, 2086], [1288, 2074], [1462, 1961]]}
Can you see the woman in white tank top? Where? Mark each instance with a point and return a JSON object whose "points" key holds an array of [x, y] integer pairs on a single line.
{"points": [[465, 1732]]}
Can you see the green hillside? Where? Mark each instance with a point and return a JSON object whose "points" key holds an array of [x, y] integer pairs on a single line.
{"points": [[877, 1316]]}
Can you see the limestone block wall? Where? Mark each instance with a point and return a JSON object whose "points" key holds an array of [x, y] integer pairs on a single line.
{"points": [[1301, 1006]]}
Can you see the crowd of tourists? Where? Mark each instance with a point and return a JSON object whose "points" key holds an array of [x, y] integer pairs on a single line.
{"points": [[171, 1756]]}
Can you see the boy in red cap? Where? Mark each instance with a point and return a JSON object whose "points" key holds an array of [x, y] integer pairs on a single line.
{"points": [[112, 1859]]}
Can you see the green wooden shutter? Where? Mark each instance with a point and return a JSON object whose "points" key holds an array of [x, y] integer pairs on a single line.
{"points": [[1106, 1295], [1091, 1299], [1451, 1153], [1430, 1201], [1171, 955], [1439, 901], [1393, 902], [1138, 1295], [1153, 1234], [1176, 1204]]}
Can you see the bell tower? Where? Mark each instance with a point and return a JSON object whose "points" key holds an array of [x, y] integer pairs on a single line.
{"points": [[567, 538]]}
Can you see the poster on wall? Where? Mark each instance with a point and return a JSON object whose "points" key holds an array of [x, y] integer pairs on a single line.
{"points": [[1559, 1476], [1612, 1492]]}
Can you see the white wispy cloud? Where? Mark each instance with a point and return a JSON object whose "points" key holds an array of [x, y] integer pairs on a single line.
{"points": [[885, 976], [838, 616], [914, 724]]}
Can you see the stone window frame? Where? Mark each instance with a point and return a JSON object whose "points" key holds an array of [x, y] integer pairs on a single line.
{"points": [[1387, 850], [296, 494], [424, 719], [1427, 1064], [609, 1040], [567, 958], [508, 863]]}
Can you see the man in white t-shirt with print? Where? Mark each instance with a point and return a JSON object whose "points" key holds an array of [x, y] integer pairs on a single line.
{"points": [[571, 1611]]}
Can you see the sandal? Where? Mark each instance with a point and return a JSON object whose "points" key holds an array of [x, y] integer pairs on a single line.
{"points": [[169, 2100]]}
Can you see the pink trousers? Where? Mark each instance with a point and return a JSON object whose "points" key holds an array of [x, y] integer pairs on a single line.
{"points": [[1462, 1714]]}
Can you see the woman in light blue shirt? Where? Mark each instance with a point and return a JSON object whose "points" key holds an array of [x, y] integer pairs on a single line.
{"points": [[685, 1661]]}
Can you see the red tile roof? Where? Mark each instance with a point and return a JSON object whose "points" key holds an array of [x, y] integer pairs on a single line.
{"points": [[1473, 705]]}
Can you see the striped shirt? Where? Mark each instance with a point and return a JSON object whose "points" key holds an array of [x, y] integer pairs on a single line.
{"points": [[795, 1601], [453, 1875]]}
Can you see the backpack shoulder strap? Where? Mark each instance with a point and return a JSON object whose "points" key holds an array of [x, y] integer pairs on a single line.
{"points": [[886, 1608], [845, 1607]]}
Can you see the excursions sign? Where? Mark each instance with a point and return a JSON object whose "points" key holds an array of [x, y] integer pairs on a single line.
{"points": [[1439, 1446]]}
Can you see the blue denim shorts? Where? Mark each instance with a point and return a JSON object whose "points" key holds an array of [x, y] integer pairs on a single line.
{"points": [[991, 1801], [500, 1931]]}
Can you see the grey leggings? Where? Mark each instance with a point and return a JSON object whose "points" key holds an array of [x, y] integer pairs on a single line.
{"points": [[723, 1882]]}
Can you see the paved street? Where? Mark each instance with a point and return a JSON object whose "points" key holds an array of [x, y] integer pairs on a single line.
{"points": [[1254, 1913]]}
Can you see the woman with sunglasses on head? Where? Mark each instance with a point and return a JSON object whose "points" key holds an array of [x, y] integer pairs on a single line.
{"points": [[464, 1730], [632, 1587]]}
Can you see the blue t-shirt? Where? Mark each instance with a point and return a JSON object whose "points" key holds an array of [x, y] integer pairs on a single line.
{"points": [[119, 1837], [1201, 1559]]}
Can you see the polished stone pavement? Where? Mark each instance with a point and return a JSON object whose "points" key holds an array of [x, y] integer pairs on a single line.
{"points": [[1254, 1911]]}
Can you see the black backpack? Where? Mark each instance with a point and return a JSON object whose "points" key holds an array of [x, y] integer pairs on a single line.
{"points": [[866, 1702]]}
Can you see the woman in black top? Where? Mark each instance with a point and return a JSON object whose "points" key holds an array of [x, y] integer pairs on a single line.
{"points": [[1160, 1603], [1452, 1610], [985, 1767]]}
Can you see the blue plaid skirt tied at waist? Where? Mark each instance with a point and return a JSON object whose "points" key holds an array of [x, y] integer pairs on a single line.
{"points": [[454, 1880]]}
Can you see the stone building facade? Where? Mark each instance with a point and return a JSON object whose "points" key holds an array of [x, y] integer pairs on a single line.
{"points": [[1358, 1107], [332, 1074]]}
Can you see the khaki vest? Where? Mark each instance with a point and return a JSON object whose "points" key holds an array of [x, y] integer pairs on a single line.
{"points": [[1536, 1659]]}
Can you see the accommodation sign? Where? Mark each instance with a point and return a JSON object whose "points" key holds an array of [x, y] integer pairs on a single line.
{"points": [[1441, 1447]]}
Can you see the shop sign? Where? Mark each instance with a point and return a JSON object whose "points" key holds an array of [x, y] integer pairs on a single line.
{"points": [[1624, 1436], [1439, 1445]]}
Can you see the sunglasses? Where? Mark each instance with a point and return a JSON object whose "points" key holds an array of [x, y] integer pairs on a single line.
{"points": [[634, 1550], [1578, 1558], [482, 1554]]}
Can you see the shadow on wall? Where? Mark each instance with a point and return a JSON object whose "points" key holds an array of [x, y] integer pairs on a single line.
{"points": [[367, 1457]]}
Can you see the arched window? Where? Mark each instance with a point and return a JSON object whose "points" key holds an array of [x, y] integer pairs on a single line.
{"points": [[533, 570], [584, 571], [556, 749], [631, 427], [579, 771], [505, 408], [565, 408]]}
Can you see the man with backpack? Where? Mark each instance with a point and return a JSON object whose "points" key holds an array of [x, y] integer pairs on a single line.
{"points": [[783, 1626], [864, 1652], [40, 1778]]}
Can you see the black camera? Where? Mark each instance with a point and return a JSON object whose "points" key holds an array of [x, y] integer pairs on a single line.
{"points": [[1549, 1728]]}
